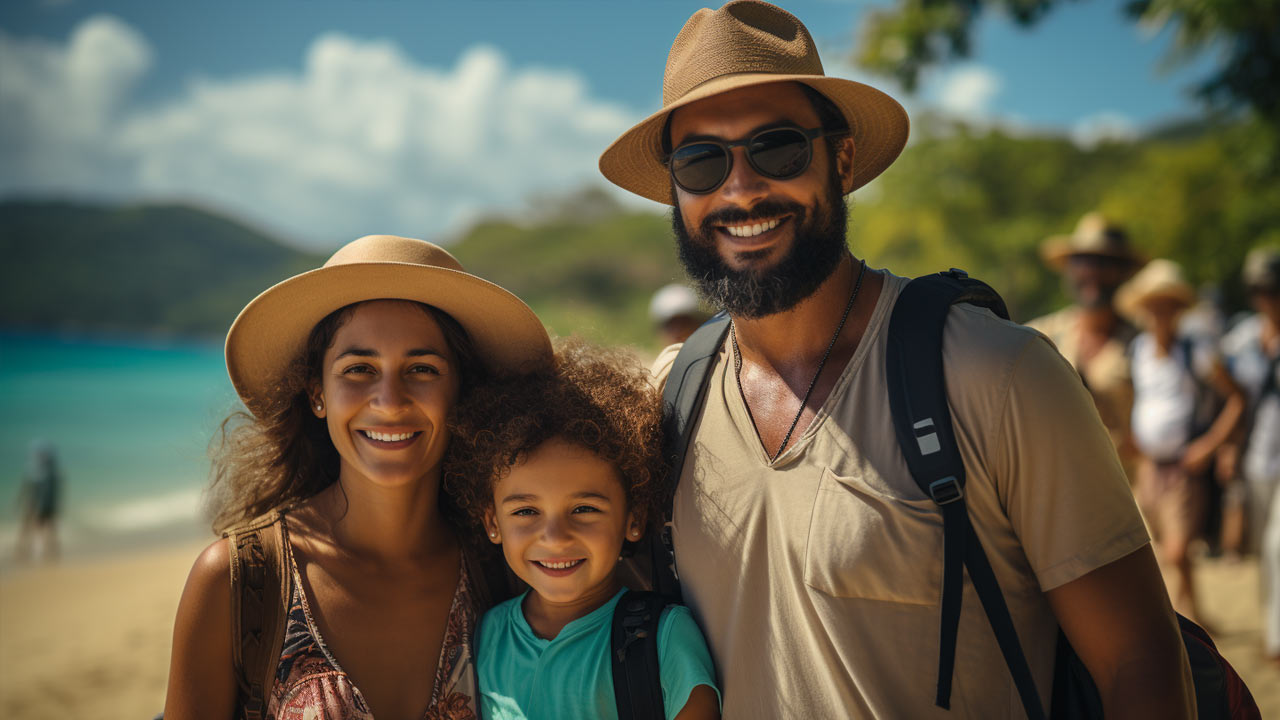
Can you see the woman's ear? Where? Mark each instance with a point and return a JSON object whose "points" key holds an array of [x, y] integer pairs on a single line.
{"points": [[491, 527], [316, 397]]}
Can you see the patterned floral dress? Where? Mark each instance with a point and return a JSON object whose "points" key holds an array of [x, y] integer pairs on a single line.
{"points": [[311, 685]]}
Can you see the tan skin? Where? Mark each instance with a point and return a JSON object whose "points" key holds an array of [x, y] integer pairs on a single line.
{"points": [[378, 565], [1118, 617], [565, 505]]}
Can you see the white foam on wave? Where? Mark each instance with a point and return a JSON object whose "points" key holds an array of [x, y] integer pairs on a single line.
{"points": [[181, 507]]}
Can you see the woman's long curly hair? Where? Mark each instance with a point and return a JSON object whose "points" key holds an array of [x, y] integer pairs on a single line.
{"points": [[282, 454], [598, 399]]}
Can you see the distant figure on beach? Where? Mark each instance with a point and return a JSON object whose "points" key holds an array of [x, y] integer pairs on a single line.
{"points": [[675, 313], [1185, 408], [343, 587], [40, 498], [1095, 261], [1253, 356]]}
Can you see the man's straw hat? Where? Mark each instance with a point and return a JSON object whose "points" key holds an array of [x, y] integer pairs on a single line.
{"points": [[272, 330], [1159, 279], [745, 43], [1094, 235]]}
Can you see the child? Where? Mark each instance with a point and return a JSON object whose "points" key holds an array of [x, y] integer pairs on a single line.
{"points": [[561, 469]]}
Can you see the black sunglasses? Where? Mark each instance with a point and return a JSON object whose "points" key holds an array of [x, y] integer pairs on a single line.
{"points": [[700, 167]]}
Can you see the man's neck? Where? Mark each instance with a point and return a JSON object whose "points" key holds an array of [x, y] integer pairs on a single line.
{"points": [[796, 339]]}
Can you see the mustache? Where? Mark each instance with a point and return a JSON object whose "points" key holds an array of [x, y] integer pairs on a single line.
{"points": [[763, 210]]}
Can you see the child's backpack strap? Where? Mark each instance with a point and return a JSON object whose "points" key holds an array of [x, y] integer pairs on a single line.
{"points": [[259, 589], [633, 654], [922, 421], [682, 396]]}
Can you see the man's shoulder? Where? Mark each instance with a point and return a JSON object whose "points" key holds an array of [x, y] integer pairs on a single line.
{"points": [[1057, 321], [661, 366], [1244, 337], [976, 340]]}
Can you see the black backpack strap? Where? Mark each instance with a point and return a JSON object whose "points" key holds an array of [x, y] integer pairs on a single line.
{"points": [[682, 396], [633, 654], [922, 421]]}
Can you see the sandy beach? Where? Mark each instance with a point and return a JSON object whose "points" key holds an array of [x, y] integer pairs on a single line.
{"points": [[91, 638]]}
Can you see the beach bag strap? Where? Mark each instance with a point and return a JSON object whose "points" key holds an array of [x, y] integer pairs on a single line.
{"points": [[682, 397], [633, 654], [259, 587], [922, 422]]}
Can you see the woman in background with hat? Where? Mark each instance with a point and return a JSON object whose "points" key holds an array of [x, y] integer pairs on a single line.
{"points": [[350, 373], [1186, 406], [1094, 261]]}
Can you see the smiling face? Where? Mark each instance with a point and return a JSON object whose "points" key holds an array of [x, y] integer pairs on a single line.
{"points": [[757, 245], [561, 516], [387, 384]]}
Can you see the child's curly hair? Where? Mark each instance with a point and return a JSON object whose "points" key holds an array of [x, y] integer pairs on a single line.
{"points": [[595, 398]]}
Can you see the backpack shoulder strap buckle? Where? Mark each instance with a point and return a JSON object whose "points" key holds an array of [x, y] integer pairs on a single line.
{"points": [[946, 491]]}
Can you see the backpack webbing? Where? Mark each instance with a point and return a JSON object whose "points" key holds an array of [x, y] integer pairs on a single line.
{"points": [[633, 655], [682, 396], [259, 587], [922, 422]]}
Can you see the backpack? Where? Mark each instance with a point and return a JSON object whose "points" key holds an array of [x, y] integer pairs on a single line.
{"points": [[260, 586], [922, 423]]}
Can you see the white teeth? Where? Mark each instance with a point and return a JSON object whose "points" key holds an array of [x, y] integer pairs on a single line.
{"points": [[744, 231], [558, 565], [388, 437]]}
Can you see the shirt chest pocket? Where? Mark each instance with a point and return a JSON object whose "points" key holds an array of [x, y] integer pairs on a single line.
{"points": [[865, 543]]}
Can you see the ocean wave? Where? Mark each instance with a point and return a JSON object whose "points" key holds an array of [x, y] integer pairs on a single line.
{"points": [[181, 507]]}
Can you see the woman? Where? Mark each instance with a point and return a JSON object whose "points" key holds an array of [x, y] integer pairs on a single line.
{"points": [[351, 372]]}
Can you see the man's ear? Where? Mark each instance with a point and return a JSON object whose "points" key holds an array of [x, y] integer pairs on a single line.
{"points": [[491, 527], [845, 151]]}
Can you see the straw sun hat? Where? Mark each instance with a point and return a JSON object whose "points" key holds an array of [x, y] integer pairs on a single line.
{"points": [[273, 329], [746, 43], [1094, 235], [1159, 279]]}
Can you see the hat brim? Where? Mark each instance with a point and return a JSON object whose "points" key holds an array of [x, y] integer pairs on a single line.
{"points": [[272, 330], [1133, 301], [877, 123], [1058, 249]]}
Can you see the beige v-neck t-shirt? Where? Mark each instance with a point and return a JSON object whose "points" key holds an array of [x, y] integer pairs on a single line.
{"points": [[817, 577]]}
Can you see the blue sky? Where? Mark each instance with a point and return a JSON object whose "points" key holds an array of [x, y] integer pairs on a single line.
{"points": [[321, 120]]}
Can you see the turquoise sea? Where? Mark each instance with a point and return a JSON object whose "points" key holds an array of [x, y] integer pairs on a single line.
{"points": [[130, 421]]}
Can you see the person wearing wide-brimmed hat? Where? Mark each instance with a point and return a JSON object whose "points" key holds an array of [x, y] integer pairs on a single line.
{"points": [[1252, 350], [675, 313], [802, 543], [1185, 408], [1094, 261], [350, 373]]}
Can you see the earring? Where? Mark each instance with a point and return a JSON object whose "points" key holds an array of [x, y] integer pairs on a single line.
{"points": [[493, 534]]}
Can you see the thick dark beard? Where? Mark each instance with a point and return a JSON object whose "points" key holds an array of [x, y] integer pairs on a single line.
{"points": [[819, 246]]}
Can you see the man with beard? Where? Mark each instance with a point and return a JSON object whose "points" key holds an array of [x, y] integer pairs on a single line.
{"points": [[1095, 260], [803, 546]]}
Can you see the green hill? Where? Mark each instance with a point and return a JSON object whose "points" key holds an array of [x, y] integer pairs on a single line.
{"points": [[144, 268]]}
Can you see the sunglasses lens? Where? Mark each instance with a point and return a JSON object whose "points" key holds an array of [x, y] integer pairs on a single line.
{"points": [[698, 167], [780, 153]]}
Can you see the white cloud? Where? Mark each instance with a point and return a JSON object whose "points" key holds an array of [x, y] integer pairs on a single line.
{"points": [[967, 91], [360, 139], [1088, 132]]}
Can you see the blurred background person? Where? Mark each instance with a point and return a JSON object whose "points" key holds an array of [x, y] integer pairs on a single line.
{"points": [[1185, 408], [1095, 260], [39, 500], [1252, 350], [675, 313]]}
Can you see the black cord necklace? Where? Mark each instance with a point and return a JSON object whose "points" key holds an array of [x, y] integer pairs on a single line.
{"points": [[737, 364]]}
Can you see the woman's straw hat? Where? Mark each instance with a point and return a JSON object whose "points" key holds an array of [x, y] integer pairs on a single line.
{"points": [[1159, 279], [745, 43], [1094, 235], [272, 330]]}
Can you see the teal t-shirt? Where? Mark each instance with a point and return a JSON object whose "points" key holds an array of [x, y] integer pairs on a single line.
{"points": [[523, 677]]}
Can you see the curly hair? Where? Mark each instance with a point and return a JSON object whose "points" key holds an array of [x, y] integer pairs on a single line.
{"points": [[595, 398], [282, 453]]}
